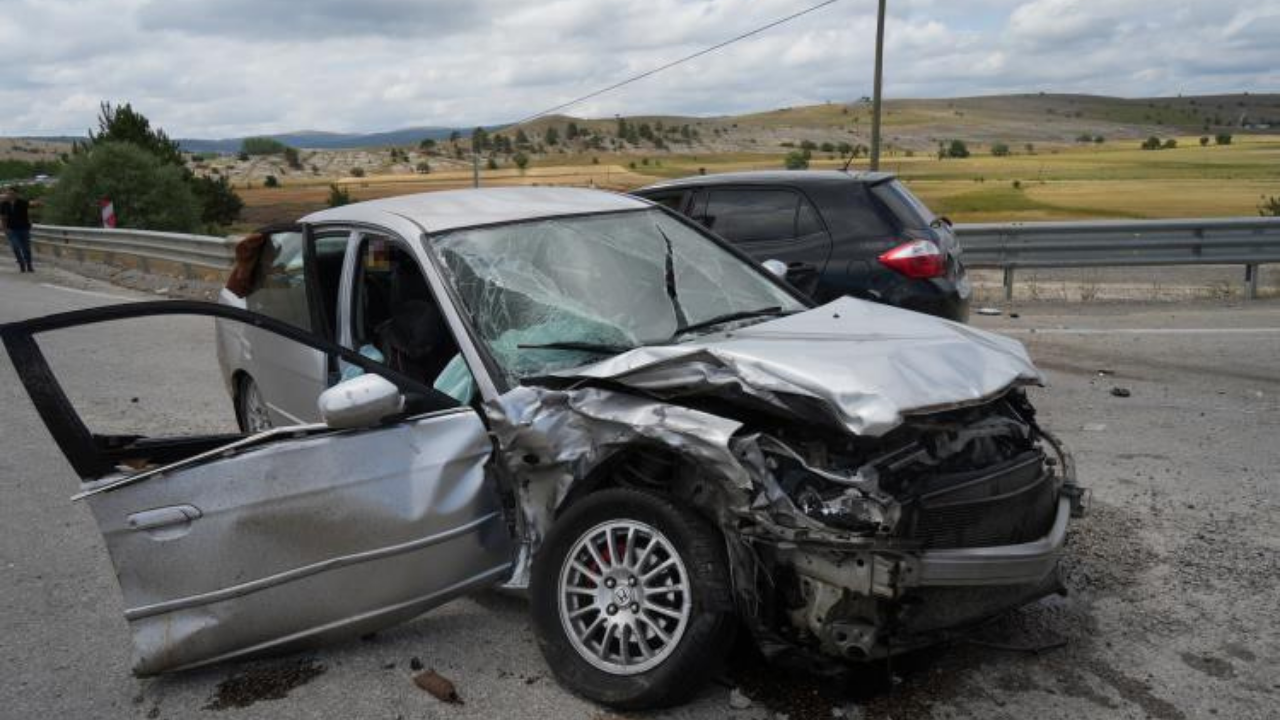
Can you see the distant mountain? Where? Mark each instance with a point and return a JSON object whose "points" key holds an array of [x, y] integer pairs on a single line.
{"points": [[318, 140], [916, 124]]}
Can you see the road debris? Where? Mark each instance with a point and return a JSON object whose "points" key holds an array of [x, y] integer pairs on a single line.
{"points": [[438, 685], [415, 664], [989, 311], [1120, 392], [267, 682], [738, 700]]}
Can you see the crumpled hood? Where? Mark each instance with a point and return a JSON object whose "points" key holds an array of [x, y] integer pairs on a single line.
{"points": [[868, 364]]}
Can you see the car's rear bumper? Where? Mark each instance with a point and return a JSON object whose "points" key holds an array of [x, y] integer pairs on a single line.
{"points": [[943, 298]]}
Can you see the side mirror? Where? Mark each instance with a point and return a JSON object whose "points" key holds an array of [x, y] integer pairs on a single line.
{"points": [[360, 402], [777, 268]]}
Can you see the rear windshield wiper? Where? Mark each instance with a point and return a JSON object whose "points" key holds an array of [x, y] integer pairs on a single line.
{"points": [[728, 317], [599, 348]]}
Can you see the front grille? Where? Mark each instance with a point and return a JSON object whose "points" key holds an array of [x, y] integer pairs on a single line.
{"points": [[1014, 502]]}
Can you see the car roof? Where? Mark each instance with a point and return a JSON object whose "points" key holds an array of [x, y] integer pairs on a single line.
{"points": [[773, 177], [450, 209]]}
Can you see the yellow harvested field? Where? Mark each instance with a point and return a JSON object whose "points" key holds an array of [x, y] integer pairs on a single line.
{"points": [[1062, 182]]}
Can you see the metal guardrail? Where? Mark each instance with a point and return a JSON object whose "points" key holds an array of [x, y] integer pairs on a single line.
{"points": [[192, 255], [1118, 243], [1008, 246]]}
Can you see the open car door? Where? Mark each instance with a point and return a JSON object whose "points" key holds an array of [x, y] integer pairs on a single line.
{"points": [[227, 544]]}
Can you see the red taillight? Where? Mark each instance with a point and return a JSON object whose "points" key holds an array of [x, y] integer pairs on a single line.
{"points": [[916, 259]]}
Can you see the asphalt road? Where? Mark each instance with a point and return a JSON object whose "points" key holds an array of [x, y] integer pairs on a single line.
{"points": [[1175, 575]]}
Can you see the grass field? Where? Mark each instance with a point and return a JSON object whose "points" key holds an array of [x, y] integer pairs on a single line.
{"points": [[1111, 180]]}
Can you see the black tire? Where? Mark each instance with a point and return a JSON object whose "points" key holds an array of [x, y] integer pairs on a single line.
{"points": [[245, 390], [708, 635]]}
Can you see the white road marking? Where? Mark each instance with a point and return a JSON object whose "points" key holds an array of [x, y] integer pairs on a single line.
{"points": [[90, 293], [1139, 331]]}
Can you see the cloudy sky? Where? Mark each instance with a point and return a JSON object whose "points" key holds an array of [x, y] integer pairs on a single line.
{"points": [[220, 68]]}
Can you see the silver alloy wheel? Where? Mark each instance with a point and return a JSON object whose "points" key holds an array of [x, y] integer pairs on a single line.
{"points": [[624, 597], [256, 417]]}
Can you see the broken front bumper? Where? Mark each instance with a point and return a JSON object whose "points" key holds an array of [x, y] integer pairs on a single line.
{"points": [[867, 604], [1020, 564]]}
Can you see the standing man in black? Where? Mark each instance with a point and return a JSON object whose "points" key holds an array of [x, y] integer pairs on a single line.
{"points": [[15, 215]]}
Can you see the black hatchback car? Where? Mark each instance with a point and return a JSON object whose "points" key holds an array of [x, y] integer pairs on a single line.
{"points": [[840, 233]]}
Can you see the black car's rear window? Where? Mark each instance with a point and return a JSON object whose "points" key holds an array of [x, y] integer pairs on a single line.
{"points": [[907, 207]]}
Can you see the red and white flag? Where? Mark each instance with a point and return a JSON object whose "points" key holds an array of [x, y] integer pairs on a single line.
{"points": [[108, 213]]}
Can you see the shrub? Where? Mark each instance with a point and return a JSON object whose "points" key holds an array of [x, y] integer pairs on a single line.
{"points": [[521, 160], [1170, 144], [1000, 149], [338, 196], [1017, 184], [1204, 140], [1151, 143], [262, 146], [491, 164], [271, 181], [357, 172], [797, 160], [958, 149], [148, 194], [1223, 139], [828, 147], [1269, 207], [220, 204], [291, 158], [423, 167], [1098, 139]]}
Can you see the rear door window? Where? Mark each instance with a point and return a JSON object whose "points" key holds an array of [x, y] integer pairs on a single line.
{"points": [[749, 215], [281, 290], [807, 220]]}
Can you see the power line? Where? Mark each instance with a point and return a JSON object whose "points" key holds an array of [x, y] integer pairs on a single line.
{"points": [[672, 64]]}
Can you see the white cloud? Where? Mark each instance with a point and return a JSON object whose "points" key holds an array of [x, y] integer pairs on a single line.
{"points": [[209, 68]]}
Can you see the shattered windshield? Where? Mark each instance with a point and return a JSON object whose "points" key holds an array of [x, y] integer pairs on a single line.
{"points": [[550, 294]]}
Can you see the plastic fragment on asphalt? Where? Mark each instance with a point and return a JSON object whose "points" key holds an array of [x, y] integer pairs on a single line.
{"points": [[988, 311], [1094, 427], [1120, 392], [439, 686]]}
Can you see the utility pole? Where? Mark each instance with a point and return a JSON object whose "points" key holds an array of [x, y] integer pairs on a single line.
{"points": [[875, 101]]}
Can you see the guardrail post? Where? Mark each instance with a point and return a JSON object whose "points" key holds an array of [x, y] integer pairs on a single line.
{"points": [[1250, 282], [1008, 284]]}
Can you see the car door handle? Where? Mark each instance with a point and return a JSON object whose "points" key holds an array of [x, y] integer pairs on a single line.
{"points": [[163, 517]]}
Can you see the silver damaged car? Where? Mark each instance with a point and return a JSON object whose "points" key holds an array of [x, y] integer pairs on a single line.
{"points": [[584, 396]]}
